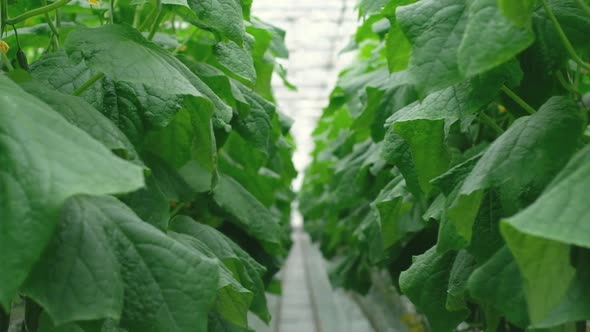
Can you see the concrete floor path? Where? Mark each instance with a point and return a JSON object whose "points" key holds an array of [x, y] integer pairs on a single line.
{"points": [[308, 302]]}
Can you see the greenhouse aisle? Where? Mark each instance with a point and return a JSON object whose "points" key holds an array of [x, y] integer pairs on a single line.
{"points": [[308, 302]]}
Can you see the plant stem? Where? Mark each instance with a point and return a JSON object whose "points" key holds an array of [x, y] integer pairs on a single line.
{"points": [[156, 24], [3, 16], [37, 11], [57, 19], [53, 30], [518, 100], [564, 40], [6, 61], [88, 84], [137, 15], [112, 11], [567, 85], [584, 6], [177, 209], [151, 16], [490, 122]]}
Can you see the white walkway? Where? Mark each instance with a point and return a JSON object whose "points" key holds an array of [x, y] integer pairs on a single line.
{"points": [[308, 303]]}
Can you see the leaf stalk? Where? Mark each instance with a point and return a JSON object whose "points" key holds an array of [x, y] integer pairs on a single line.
{"points": [[3, 16], [490, 122], [156, 24], [37, 11], [88, 84], [518, 100], [564, 40], [6, 61]]}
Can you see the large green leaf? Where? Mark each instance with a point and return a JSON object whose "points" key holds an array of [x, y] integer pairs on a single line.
{"points": [[519, 11], [426, 141], [521, 161], [463, 266], [223, 16], [248, 213], [392, 205], [498, 284], [191, 135], [123, 54], [257, 126], [435, 29], [232, 300], [45, 160], [104, 259], [502, 39], [245, 269], [57, 70], [81, 114], [426, 283], [126, 57], [236, 59], [540, 236], [573, 20]]}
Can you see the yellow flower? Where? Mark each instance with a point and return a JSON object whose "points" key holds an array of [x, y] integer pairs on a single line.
{"points": [[501, 108], [93, 2], [4, 47]]}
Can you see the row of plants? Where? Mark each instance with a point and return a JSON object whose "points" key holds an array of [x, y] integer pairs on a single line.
{"points": [[454, 155], [145, 173]]}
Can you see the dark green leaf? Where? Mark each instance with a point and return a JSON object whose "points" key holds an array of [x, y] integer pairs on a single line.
{"points": [[45, 160]]}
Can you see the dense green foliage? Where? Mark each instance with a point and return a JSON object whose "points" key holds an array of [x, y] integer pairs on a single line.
{"points": [[454, 154], [145, 174]]}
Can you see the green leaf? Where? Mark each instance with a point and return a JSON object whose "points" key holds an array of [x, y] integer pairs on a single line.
{"points": [[123, 54], [463, 266], [429, 153], [84, 116], [233, 300], [245, 269], [435, 29], [248, 213], [392, 205], [368, 7], [531, 151], [498, 283], [257, 126], [519, 11], [236, 59], [78, 277], [223, 16], [573, 20], [150, 204], [126, 61], [461, 100], [540, 236], [426, 282], [396, 150], [503, 39], [191, 135], [218, 324], [107, 258], [575, 306], [398, 49], [57, 70], [39, 173]]}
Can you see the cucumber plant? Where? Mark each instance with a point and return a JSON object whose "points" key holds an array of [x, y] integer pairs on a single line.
{"points": [[454, 155], [145, 173]]}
